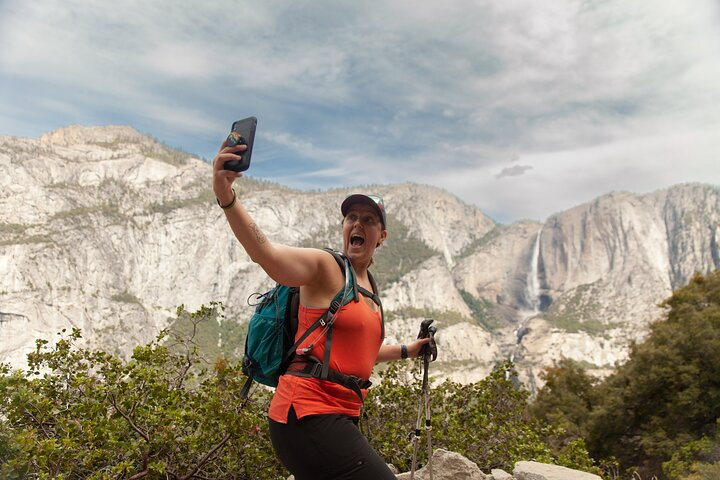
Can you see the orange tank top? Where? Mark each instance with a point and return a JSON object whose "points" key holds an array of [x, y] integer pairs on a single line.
{"points": [[355, 345]]}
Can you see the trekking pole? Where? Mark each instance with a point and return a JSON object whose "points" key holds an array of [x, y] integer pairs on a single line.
{"points": [[428, 425], [428, 354], [416, 438]]}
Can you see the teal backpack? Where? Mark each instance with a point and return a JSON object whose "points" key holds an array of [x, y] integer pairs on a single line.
{"points": [[270, 345]]}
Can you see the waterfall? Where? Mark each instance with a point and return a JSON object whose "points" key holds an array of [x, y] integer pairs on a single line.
{"points": [[532, 299], [532, 286]]}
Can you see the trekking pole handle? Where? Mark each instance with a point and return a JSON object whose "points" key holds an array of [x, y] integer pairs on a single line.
{"points": [[428, 331]]}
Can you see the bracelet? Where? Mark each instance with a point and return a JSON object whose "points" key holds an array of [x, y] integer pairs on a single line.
{"points": [[232, 202], [403, 351]]}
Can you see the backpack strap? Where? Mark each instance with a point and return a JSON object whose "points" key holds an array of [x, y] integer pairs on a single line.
{"points": [[328, 317], [374, 295], [323, 321], [346, 267], [291, 320], [375, 298], [312, 367]]}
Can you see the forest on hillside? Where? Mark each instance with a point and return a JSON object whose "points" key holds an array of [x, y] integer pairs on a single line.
{"points": [[173, 409]]}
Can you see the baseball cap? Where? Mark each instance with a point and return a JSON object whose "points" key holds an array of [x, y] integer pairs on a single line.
{"points": [[374, 201]]}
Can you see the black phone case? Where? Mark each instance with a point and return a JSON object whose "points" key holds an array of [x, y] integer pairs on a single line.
{"points": [[245, 128]]}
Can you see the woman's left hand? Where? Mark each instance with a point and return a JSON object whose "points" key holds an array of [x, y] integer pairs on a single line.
{"points": [[414, 348]]}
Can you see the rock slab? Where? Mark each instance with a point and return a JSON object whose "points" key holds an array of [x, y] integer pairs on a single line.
{"points": [[543, 471]]}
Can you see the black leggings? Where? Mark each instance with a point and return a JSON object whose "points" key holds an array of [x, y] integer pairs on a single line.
{"points": [[319, 447]]}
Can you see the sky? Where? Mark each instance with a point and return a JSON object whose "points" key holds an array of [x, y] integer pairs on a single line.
{"points": [[519, 107]]}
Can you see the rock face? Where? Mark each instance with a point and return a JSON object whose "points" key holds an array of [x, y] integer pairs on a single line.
{"points": [[105, 229]]}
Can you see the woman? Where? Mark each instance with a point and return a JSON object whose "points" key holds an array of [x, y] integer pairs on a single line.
{"points": [[313, 422]]}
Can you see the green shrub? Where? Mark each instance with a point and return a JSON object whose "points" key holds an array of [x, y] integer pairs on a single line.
{"points": [[85, 414], [485, 421], [657, 414], [173, 411]]}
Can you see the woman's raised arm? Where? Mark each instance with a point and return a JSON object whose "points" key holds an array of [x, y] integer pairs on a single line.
{"points": [[288, 265]]}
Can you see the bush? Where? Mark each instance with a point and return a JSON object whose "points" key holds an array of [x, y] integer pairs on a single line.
{"points": [[485, 422], [80, 413], [657, 414], [667, 394]]}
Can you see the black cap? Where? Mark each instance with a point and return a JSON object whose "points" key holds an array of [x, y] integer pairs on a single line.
{"points": [[375, 201]]}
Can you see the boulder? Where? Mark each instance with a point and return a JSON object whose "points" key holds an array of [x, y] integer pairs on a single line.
{"points": [[543, 471], [453, 466], [498, 474], [448, 466]]}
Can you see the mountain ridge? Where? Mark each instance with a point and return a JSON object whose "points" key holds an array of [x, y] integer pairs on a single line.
{"points": [[128, 229]]}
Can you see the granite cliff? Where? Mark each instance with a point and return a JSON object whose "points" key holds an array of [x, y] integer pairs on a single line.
{"points": [[108, 230]]}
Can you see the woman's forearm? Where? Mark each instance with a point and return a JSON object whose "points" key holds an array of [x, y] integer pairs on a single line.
{"points": [[395, 352], [248, 233], [388, 353]]}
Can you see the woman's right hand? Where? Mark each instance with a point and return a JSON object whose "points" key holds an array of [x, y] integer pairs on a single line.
{"points": [[223, 179]]}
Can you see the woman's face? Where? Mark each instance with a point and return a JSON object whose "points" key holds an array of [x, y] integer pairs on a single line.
{"points": [[362, 232]]}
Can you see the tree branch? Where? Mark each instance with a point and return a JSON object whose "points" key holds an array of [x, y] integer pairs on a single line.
{"points": [[145, 471], [207, 457], [130, 421], [139, 475], [40, 423]]}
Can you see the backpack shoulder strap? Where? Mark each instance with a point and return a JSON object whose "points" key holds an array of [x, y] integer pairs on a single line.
{"points": [[346, 267], [374, 294], [376, 298], [291, 313], [339, 257], [326, 317]]}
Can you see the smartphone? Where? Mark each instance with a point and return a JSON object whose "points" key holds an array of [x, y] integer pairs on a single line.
{"points": [[241, 133]]}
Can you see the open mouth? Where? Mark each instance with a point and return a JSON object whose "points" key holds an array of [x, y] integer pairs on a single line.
{"points": [[356, 240]]}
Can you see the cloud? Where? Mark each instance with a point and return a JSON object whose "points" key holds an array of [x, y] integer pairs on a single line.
{"points": [[572, 177], [514, 171], [584, 96]]}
